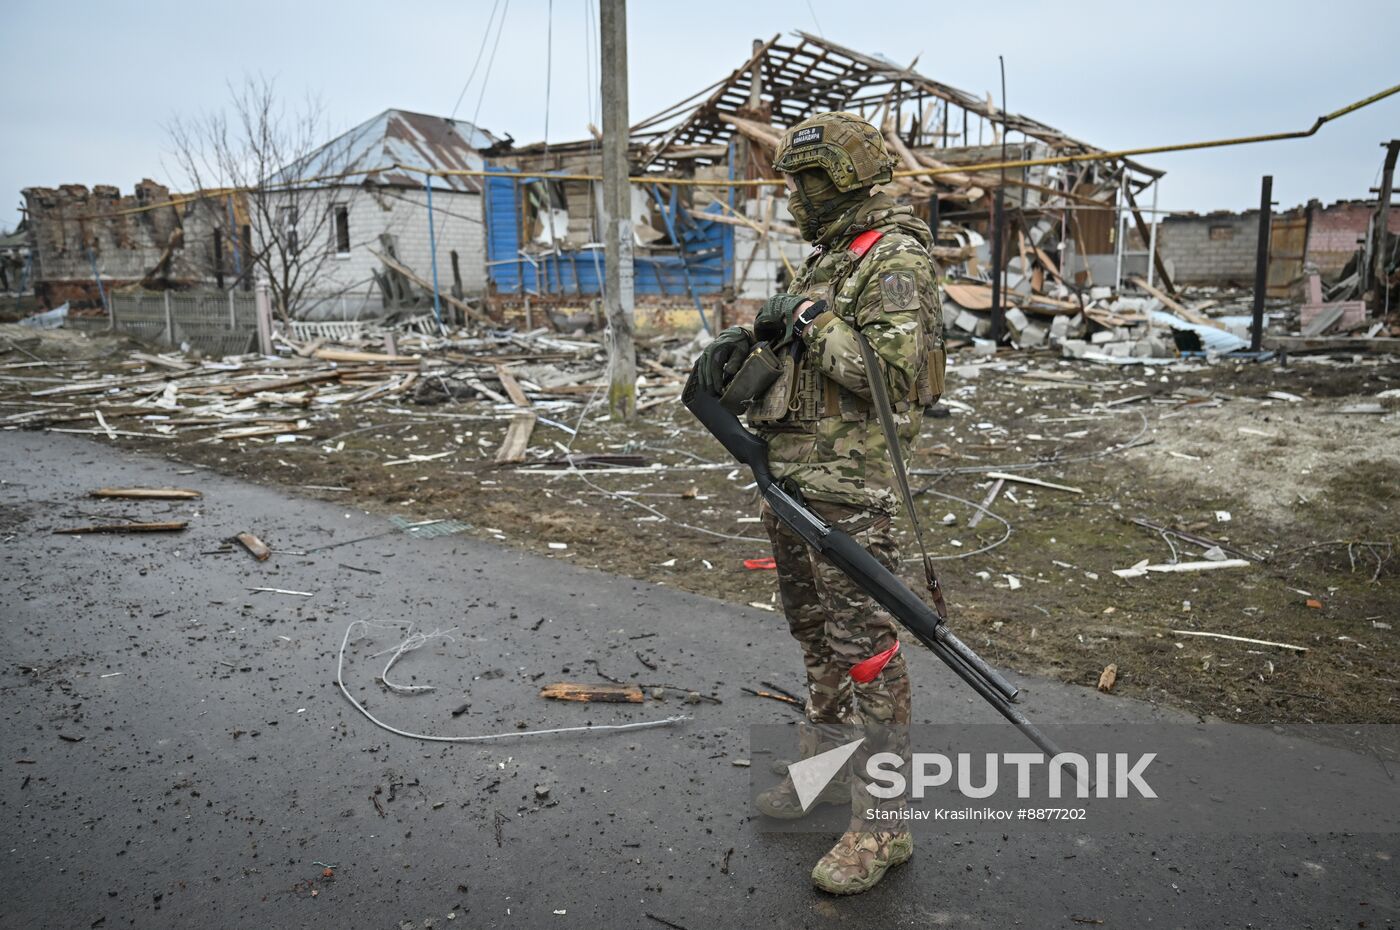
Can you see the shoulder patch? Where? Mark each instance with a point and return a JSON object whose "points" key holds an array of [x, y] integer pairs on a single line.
{"points": [[898, 289]]}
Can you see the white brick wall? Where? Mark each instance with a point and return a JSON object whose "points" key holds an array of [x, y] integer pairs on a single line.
{"points": [[762, 280], [346, 288]]}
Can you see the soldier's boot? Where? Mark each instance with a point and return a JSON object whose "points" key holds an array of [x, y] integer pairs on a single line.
{"points": [[781, 800], [860, 859]]}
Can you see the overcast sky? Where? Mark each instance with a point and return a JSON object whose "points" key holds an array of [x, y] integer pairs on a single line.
{"points": [[91, 85]]}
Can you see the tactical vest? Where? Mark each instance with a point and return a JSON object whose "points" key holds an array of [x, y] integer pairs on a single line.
{"points": [[803, 394]]}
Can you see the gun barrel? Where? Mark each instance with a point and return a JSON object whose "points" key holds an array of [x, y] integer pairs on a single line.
{"points": [[1006, 688]]}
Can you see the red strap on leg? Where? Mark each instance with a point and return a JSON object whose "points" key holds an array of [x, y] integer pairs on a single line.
{"points": [[867, 670]]}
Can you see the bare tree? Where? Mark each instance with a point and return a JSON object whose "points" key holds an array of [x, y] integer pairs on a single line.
{"points": [[287, 180]]}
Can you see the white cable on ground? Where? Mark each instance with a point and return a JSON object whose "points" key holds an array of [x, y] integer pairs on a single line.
{"points": [[1023, 466], [340, 680], [415, 640], [975, 506], [577, 473], [1044, 463]]}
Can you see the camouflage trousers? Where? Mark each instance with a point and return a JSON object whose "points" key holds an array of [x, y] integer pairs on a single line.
{"points": [[837, 625]]}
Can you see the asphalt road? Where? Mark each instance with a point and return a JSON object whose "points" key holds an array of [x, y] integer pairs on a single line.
{"points": [[177, 753]]}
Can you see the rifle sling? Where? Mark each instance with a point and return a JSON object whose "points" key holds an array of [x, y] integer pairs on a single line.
{"points": [[880, 399]]}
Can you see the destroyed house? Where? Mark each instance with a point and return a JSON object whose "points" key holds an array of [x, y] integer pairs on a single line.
{"points": [[370, 193], [84, 243], [700, 239], [349, 211]]}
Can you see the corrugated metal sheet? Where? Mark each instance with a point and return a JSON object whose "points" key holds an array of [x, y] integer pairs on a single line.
{"points": [[1213, 340], [705, 269], [398, 137]]}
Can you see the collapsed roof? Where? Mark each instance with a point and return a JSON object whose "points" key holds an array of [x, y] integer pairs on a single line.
{"points": [[782, 83], [377, 147]]}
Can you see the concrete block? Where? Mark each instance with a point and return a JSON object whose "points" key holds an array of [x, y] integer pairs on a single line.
{"points": [[1074, 348], [1033, 335], [1103, 336], [984, 347], [1015, 319], [1316, 319], [966, 321]]}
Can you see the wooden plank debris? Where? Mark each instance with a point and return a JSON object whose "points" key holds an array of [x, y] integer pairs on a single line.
{"points": [[589, 693], [1022, 479], [283, 591], [1142, 568], [1108, 678], [476, 385], [415, 459], [163, 526], [467, 309], [155, 494], [1186, 313], [175, 364], [1335, 343], [517, 441], [378, 358], [986, 502], [255, 546], [512, 387], [1241, 639]]}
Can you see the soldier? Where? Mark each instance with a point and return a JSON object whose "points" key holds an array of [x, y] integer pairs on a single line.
{"points": [[870, 273]]}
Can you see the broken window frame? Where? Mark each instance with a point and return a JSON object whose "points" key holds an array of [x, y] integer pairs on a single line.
{"points": [[340, 229], [287, 219], [533, 193]]}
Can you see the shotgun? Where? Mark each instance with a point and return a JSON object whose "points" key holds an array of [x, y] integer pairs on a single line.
{"points": [[856, 562]]}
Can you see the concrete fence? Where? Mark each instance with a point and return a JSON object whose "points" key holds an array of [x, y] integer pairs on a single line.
{"points": [[215, 323]]}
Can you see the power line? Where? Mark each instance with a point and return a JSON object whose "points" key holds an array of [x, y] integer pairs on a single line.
{"points": [[485, 34], [588, 46], [485, 79], [548, 70]]}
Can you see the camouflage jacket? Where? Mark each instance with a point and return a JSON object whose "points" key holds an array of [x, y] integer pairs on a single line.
{"points": [[823, 435]]}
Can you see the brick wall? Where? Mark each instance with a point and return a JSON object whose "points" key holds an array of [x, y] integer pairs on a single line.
{"points": [[71, 227], [1219, 248], [1337, 231], [346, 288], [1215, 249]]}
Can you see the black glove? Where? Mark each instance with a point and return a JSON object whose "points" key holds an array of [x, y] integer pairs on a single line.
{"points": [[773, 324], [722, 359]]}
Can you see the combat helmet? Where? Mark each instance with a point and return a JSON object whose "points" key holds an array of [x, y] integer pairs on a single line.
{"points": [[849, 149]]}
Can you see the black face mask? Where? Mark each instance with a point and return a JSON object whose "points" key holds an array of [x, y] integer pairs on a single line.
{"points": [[816, 203]]}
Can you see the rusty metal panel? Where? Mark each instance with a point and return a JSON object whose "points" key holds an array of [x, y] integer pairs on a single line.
{"points": [[1288, 248]]}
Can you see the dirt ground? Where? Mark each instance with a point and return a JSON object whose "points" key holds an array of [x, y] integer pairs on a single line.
{"points": [[1309, 494]]}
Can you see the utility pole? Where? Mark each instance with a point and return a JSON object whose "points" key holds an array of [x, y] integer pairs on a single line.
{"points": [[1380, 277], [617, 213], [999, 228], [1261, 261]]}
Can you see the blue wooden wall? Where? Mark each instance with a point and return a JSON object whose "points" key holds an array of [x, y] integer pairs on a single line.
{"points": [[707, 267]]}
